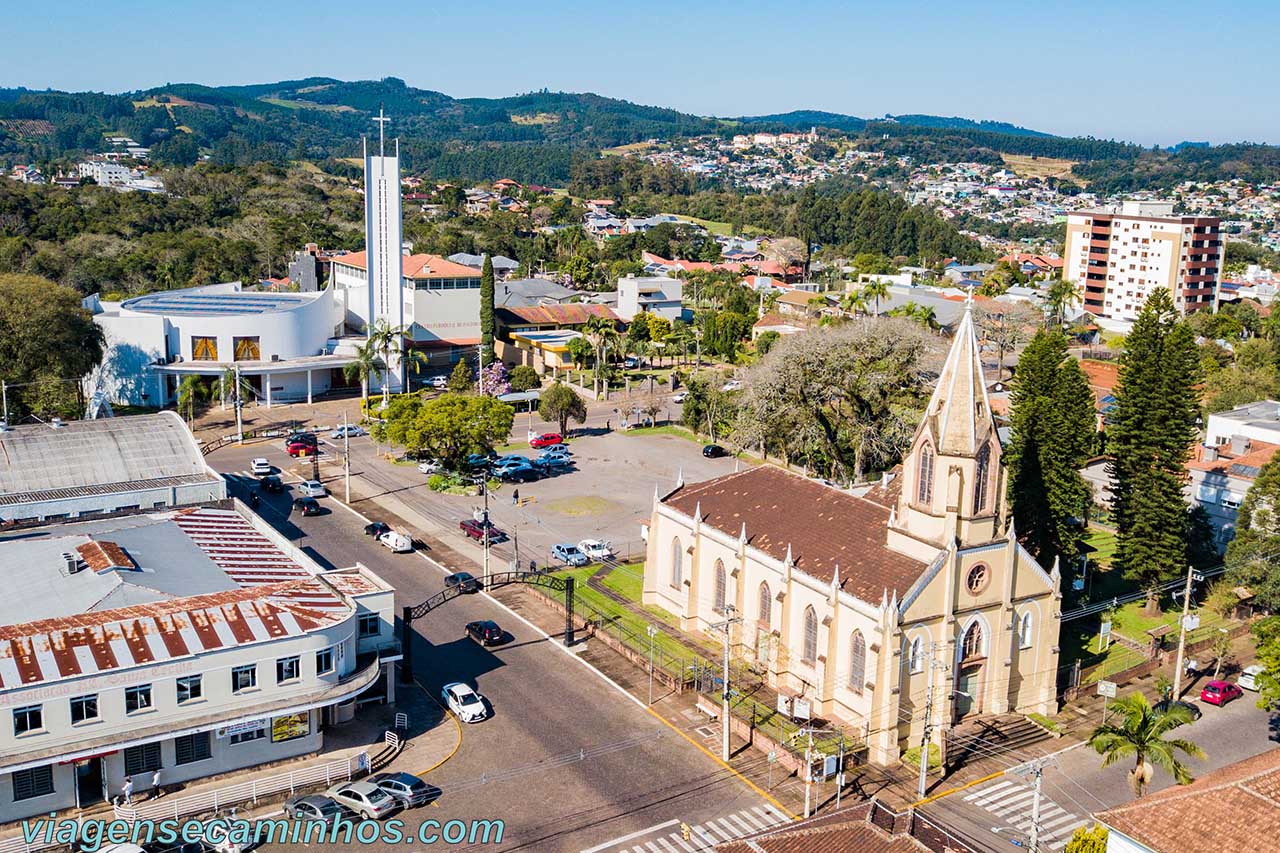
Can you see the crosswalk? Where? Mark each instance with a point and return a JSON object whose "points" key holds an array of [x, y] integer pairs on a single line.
{"points": [[1010, 803], [703, 837]]}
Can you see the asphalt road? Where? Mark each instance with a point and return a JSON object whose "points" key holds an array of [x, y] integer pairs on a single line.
{"points": [[567, 761]]}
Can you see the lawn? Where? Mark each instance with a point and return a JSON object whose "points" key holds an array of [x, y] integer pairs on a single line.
{"points": [[623, 616], [1101, 544], [666, 429]]}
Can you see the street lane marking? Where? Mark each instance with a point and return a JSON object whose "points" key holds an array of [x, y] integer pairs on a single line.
{"points": [[624, 839], [985, 792]]}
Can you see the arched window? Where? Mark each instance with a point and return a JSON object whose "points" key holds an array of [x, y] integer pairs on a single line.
{"points": [[677, 562], [973, 646], [915, 660], [721, 584], [924, 475], [858, 663], [1024, 631], [766, 604], [810, 655], [982, 479]]}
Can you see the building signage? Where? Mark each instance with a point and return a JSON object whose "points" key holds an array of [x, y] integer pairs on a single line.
{"points": [[290, 726], [1107, 688], [241, 727]]}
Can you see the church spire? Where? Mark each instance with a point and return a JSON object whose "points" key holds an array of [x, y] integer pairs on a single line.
{"points": [[959, 407]]}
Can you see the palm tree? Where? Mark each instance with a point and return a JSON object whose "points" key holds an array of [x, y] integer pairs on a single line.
{"points": [[1062, 295], [854, 302], [386, 339], [1141, 735], [190, 390], [362, 368], [876, 289], [597, 329]]}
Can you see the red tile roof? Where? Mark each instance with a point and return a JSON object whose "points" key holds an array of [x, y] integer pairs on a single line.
{"points": [[1242, 799], [414, 266], [824, 527], [846, 831], [1102, 375], [1259, 454], [572, 314]]}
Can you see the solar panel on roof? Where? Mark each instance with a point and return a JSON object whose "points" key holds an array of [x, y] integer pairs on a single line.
{"points": [[216, 303]]}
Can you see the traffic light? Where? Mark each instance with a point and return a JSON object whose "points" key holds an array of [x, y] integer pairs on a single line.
{"points": [[686, 832]]}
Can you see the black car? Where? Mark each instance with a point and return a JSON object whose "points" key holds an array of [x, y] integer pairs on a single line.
{"points": [[714, 451], [1164, 704], [302, 438], [376, 528], [307, 506], [485, 632], [271, 483], [464, 581], [523, 474]]}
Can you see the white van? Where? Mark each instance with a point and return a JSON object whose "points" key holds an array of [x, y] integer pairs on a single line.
{"points": [[397, 541]]}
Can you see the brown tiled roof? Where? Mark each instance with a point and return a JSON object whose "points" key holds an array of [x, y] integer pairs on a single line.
{"points": [[413, 266], [845, 831], [824, 527], [1243, 466], [1242, 798], [572, 314]]}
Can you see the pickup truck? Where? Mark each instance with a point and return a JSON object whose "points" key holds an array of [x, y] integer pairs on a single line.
{"points": [[475, 529]]}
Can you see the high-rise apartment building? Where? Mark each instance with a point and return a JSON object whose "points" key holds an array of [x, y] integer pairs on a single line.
{"points": [[1119, 257]]}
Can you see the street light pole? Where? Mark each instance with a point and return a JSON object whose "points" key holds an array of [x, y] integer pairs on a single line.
{"points": [[346, 458], [484, 487], [653, 635], [724, 697]]}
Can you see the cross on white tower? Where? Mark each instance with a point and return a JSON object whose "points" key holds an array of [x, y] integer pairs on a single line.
{"points": [[382, 126]]}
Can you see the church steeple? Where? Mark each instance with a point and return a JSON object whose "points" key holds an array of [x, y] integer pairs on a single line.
{"points": [[952, 489]]}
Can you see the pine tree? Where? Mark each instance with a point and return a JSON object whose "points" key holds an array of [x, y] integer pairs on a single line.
{"points": [[486, 311], [1150, 437], [1053, 434]]}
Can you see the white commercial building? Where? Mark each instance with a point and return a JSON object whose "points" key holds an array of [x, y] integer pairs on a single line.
{"points": [[655, 295], [105, 173], [287, 346], [1119, 257], [194, 642]]}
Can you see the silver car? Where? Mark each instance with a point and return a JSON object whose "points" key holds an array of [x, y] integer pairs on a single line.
{"points": [[364, 798], [405, 787], [316, 807]]}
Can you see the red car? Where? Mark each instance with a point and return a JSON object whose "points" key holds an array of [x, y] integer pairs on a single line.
{"points": [[301, 448], [1220, 692], [547, 439], [475, 529]]}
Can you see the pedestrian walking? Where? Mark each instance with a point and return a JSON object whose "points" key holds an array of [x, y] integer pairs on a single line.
{"points": [[608, 426], [126, 790], [155, 786], [515, 497]]}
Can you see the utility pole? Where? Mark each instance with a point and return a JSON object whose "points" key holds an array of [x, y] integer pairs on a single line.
{"points": [[808, 772], [1034, 768], [484, 487], [4, 394], [840, 771], [724, 697], [653, 636], [346, 458], [928, 724], [238, 404], [1182, 634]]}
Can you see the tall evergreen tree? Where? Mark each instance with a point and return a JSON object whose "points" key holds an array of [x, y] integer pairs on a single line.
{"points": [[1150, 437], [1052, 416], [486, 311]]}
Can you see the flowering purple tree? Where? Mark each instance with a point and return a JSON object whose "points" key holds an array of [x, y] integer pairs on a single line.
{"points": [[493, 380]]}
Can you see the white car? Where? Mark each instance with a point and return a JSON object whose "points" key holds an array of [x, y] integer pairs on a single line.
{"points": [[464, 702], [1249, 677], [680, 396], [731, 385], [260, 466], [397, 542], [350, 430], [440, 383], [596, 549], [312, 489], [430, 466]]}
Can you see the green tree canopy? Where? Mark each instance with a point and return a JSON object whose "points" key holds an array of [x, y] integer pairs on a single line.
{"points": [[524, 378], [448, 427], [486, 310], [559, 404], [461, 380]]}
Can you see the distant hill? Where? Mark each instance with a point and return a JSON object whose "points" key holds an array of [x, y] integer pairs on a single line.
{"points": [[809, 118], [848, 123], [956, 123]]}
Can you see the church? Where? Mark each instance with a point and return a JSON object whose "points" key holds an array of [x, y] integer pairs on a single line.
{"points": [[865, 604]]}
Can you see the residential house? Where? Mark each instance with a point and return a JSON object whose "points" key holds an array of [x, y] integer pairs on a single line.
{"points": [[653, 294], [1258, 421], [1221, 475], [528, 292], [772, 322], [539, 335], [502, 265]]}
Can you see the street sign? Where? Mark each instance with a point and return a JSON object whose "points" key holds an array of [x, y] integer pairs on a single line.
{"points": [[1191, 621], [1107, 688], [1106, 629], [800, 709], [784, 704]]}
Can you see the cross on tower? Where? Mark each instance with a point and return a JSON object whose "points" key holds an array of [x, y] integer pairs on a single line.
{"points": [[382, 125]]}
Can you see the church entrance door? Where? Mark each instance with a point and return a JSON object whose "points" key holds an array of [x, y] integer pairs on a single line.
{"points": [[967, 691]]}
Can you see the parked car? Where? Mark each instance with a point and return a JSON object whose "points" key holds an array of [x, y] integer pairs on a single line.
{"points": [[398, 542], [1248, 679], [1194, 710], [596, 549], [376, 528], [506, 463], [301, 436], [348, 431], [631, 362], [464, 581], [1220, 692], [475, 529], [465, 702], [307, 506], [260, 466], [569, 555], [485, 632], [271, 483], [299, 449], [731, 385], [480, 460], [556, 451], [405, 787], [431, 466], [547, 439], [440, 383], [520, 474], [315, 807], [714, 451], [679, 396], [312, 489], [364, 798], [555, 460]]}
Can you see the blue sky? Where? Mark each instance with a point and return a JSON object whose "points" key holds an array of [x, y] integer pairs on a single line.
{"points": [[1151, 73]]}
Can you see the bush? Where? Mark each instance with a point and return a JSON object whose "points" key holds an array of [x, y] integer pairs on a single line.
{"points": [[524, 378], [438, 482], [911, 757]]}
